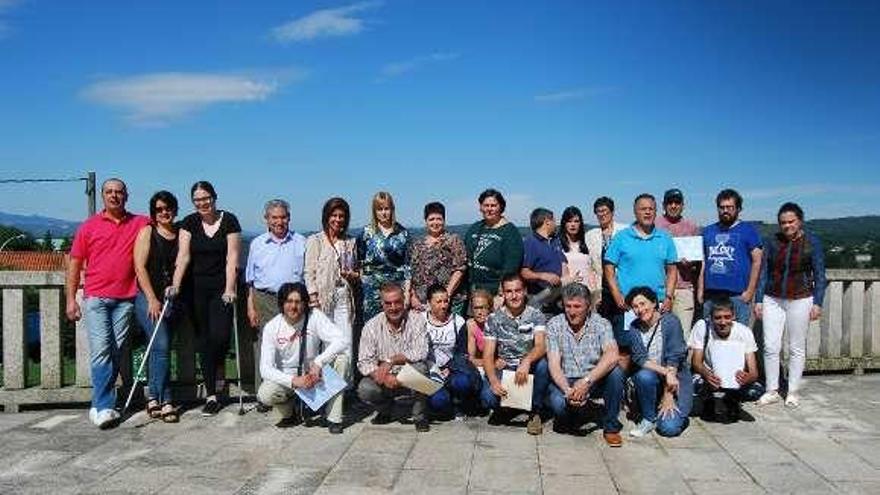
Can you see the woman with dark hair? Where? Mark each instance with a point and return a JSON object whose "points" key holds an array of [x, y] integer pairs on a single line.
{"points": [[574, 246], [658, 365], [382, 249], [790, 293], [287, 365], [210, 244], [155, 252], [331, 276], [494, 246], [447, 355], [331, 265], [438, 258]]}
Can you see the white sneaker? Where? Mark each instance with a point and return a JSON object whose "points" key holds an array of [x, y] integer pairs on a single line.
{"points": [[769, 398], [644, 428], [792, 400], [93, 416], [104, 418]]}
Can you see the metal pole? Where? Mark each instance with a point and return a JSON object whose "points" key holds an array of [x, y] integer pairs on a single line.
{"points": [[91, 193]]}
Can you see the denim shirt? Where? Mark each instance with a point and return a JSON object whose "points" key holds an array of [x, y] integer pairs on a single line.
{"points": [[674, 354]]}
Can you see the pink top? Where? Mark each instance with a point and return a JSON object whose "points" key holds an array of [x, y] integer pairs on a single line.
{"points": [[107, 250], [682, 228], [478, 336]]}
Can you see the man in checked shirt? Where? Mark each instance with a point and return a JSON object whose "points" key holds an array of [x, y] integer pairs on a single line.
{"points": [[390, 340]]}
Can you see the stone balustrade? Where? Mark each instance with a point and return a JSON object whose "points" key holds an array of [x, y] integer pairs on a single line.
{"points": [[846, 338]]}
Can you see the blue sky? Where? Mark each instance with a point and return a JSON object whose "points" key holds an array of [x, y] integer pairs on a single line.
{"points": [[554, 103]]}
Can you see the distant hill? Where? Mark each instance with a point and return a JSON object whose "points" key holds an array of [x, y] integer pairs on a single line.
{"points": [[37, 225]]}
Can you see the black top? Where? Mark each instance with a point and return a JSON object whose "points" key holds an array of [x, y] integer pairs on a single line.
{"points": [[160, 261], [208, 254]]}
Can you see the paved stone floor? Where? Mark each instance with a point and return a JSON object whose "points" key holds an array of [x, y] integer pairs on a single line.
{"points": [[829, 445]]}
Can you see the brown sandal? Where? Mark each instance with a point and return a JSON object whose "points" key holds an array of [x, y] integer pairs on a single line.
{"points": [[169, 414], [154, 409]]}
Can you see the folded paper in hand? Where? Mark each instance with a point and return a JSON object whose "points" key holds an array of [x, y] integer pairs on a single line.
{"points": [[330, 385], [518, 396], [412, 379]]}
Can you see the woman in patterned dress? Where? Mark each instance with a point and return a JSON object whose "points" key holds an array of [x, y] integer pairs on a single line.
{"points": [[382, 249], [438, 258]]}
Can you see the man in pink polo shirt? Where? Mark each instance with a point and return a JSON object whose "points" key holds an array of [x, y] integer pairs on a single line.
{"points": [[104, 245], [689, 272]]}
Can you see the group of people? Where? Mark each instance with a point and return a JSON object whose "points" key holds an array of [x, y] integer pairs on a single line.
{"points": [[574, 315]]}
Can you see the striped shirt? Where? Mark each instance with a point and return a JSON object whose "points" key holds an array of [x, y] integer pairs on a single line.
{"points": [[379, 341]]}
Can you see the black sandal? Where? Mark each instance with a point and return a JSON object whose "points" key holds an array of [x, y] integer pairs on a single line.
{"points": [[154, 409], [170, 415]]}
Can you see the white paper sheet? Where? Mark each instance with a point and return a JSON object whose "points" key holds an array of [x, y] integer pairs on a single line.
{"points": [[330, 385], [410, 378], [518, 397], [728, 357], [689, 248], [628, 318]]}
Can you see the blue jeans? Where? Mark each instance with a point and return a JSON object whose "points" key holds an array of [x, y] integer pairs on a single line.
{"points": [[107, 322], [459, 386], [740, 308], [539, 389], [648, 388], [610, 388], [160, 372]]}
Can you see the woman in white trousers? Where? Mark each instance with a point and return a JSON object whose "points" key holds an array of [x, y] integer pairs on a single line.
{"points": [[790, 295]]}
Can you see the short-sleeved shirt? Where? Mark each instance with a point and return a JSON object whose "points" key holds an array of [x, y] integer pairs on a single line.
{"points": [[442, 338], [579, 355], [641, 261], [514, 335], [107, 250], [208, 254], [728, 255], [739, 333], [272, 262], [682, 227], [542, 255]]}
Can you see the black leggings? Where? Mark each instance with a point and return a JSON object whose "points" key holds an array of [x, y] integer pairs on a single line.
{"points": [[213, 326]]}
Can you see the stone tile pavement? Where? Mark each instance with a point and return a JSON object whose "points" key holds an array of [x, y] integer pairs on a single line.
{"points": [[829, 445]]}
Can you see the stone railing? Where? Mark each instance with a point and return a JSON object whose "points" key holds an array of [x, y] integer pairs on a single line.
{"points": [[846, 338], [51, 389]]}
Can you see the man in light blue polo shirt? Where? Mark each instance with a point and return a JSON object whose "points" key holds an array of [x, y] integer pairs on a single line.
{"points": [[641, 255], [275, 257]]}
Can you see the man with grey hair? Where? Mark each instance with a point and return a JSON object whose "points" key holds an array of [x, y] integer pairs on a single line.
{"points": [[543, 264], [275, 257], [582, 358]]}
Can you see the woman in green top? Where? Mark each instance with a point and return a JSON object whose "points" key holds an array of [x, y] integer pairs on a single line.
{"points": [[494, 245]]}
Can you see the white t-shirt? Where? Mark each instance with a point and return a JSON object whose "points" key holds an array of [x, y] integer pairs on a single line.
{"points": [[441, 339], [281, 340], [739, 333]]}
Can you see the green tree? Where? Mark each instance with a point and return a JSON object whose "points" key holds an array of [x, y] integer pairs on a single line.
{"points": [[66, 244], [46, 243]]}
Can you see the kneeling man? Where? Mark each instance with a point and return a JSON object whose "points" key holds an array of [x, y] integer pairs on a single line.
{"points": [[286, 364], [516, 336], [390, 340], [582, 356], [723, 404]]}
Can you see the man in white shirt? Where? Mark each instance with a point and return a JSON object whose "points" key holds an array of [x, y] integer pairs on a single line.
{"points": [[722, 403], [286, 365]]}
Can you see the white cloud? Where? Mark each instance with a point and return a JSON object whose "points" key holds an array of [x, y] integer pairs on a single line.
{"points": [[157, 99], [5, 7], [325, 23], [396, 69], [573, 94]]}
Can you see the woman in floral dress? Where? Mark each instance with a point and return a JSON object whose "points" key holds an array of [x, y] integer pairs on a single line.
{"points": [[382, 249], [438, 258]]}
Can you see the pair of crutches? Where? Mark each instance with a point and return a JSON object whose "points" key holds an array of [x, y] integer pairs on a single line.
{"points": [[137, 376]]}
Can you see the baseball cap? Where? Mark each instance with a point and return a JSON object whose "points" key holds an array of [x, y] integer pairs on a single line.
{"points": [[673, 195]]}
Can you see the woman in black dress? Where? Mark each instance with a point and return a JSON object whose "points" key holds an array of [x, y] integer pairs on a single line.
{"points": [[210, 244]]}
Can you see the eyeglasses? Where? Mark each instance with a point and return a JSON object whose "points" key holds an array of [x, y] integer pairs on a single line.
{"points": [[203, 199], [164, 209]]}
